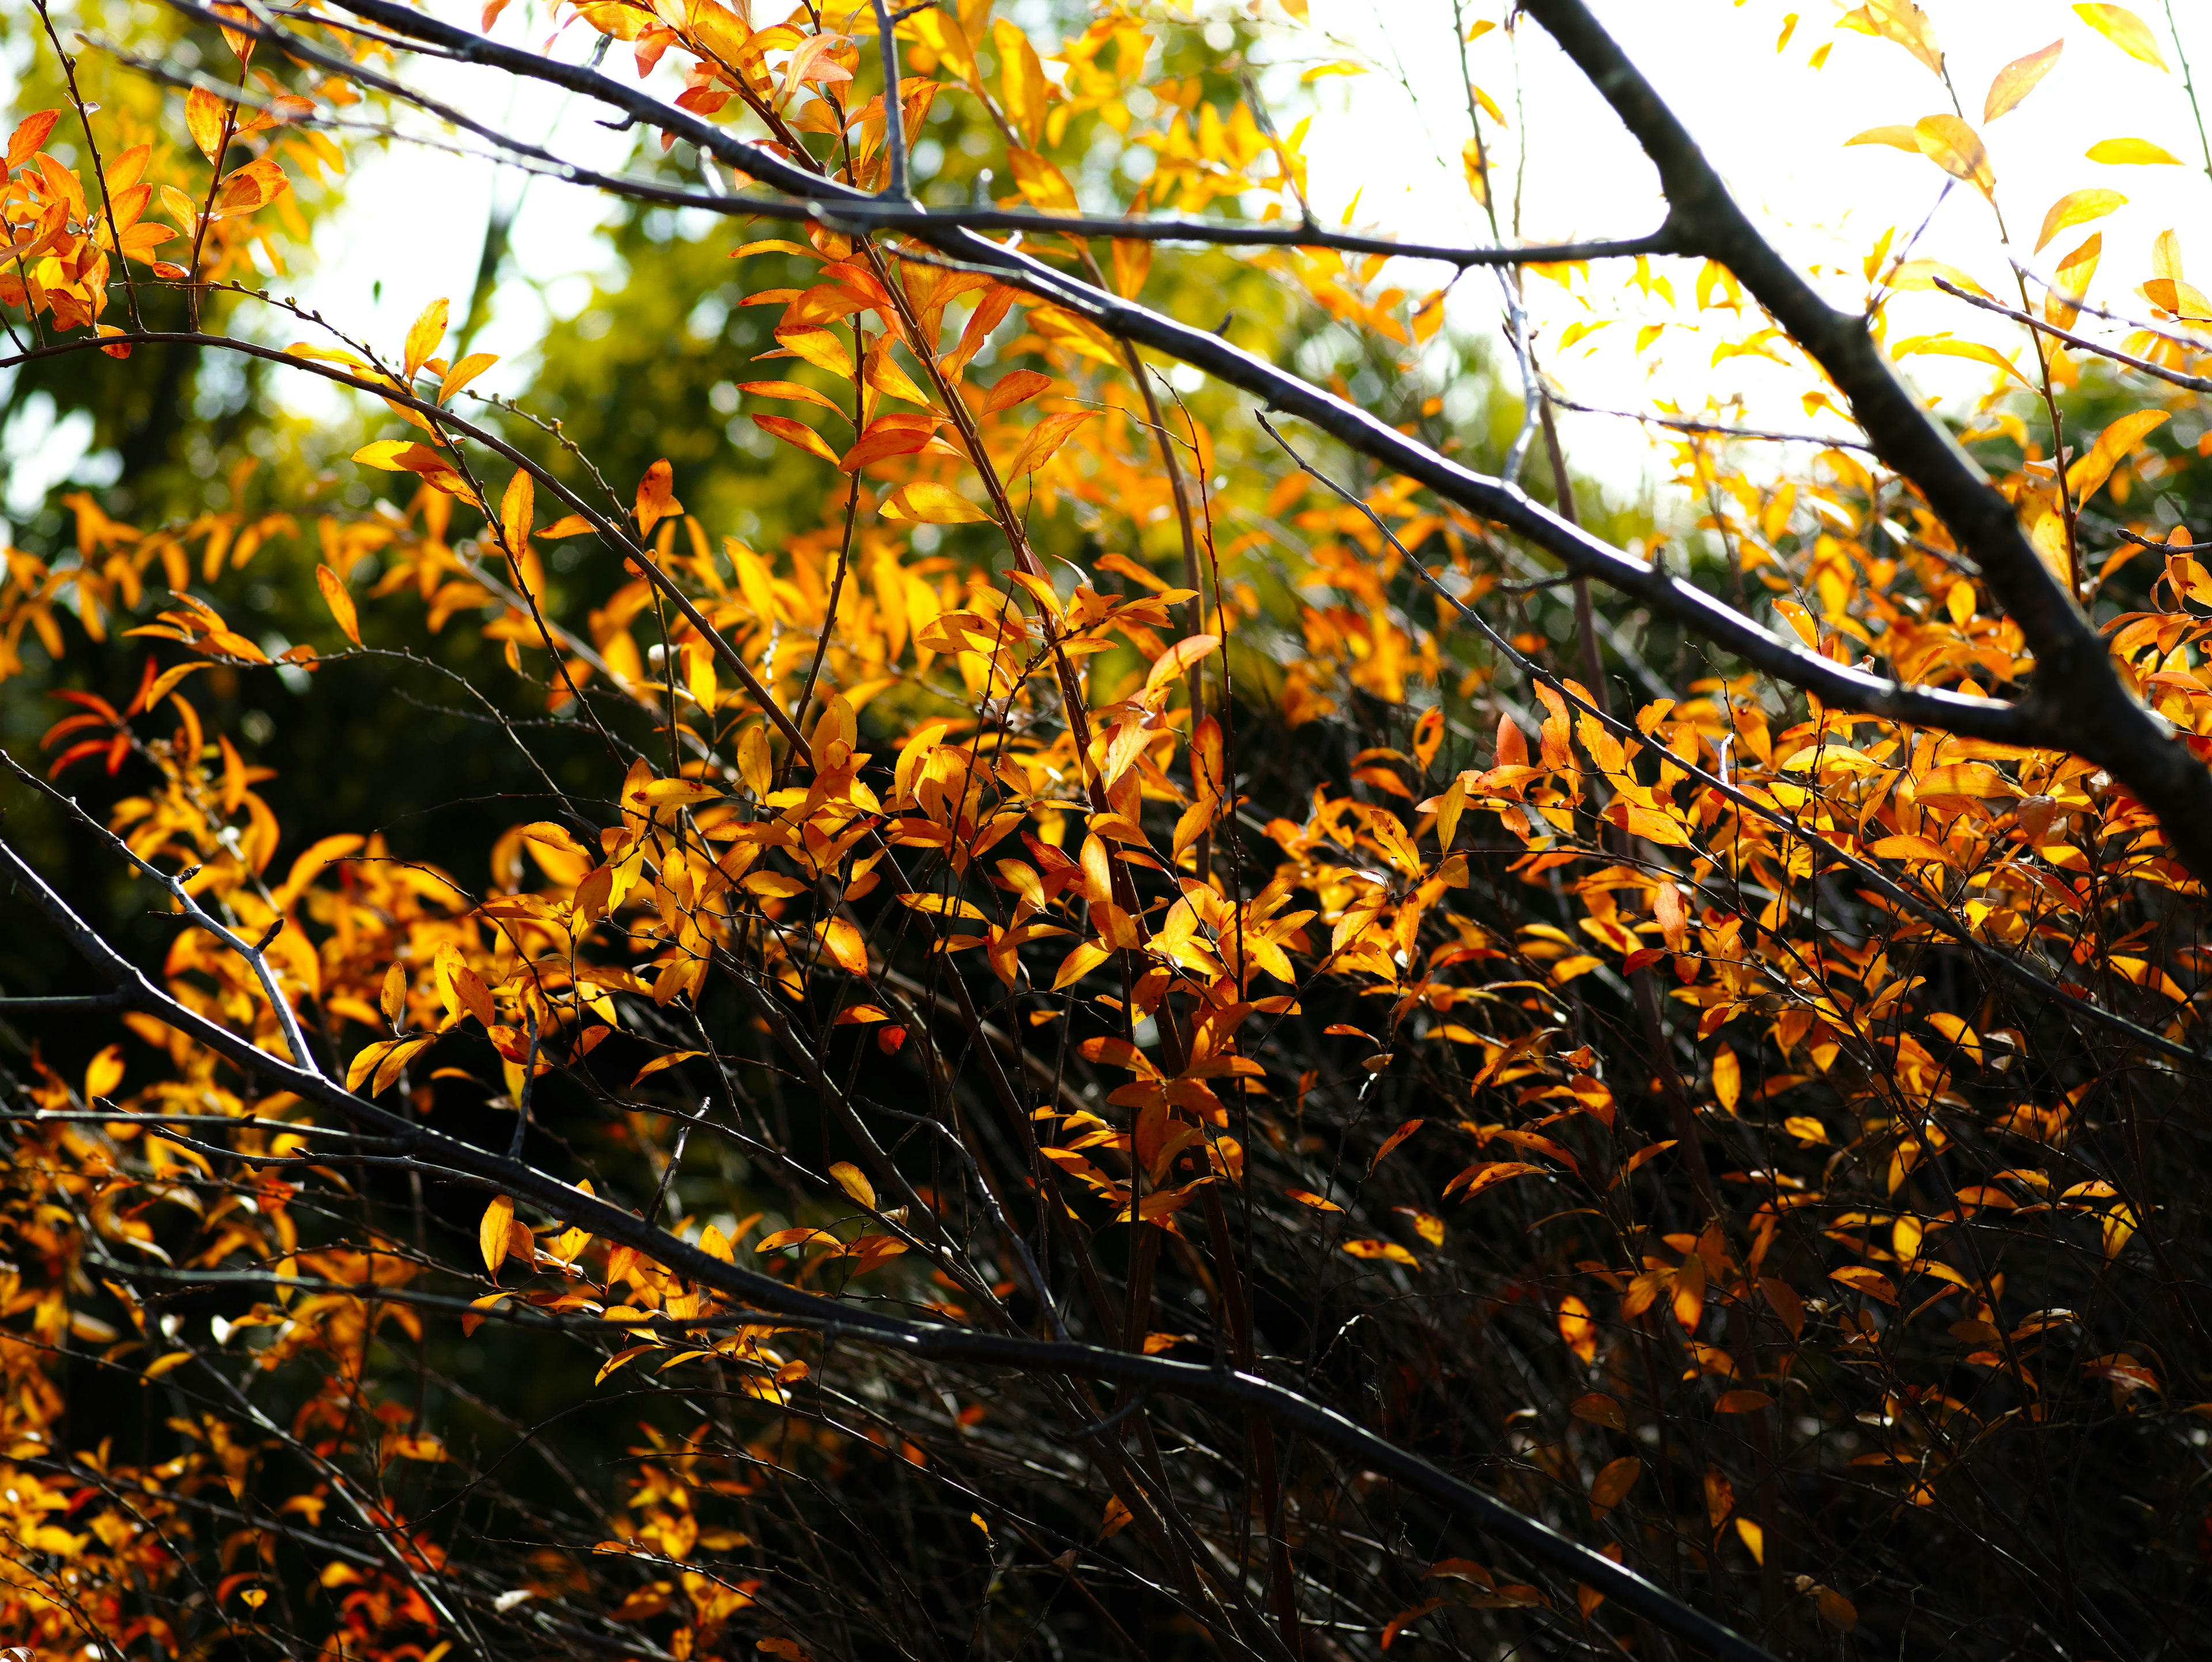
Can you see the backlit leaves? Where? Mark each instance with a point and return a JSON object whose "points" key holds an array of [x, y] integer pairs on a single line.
{"points": [[1957, 149], [2019, 78], [2076, 208], [2126, 30]]}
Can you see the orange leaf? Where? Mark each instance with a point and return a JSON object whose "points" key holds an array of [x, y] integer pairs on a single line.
{"points": [[1394, 1140], [30, 133], [340, 602], [1613, 1484], [889, 436], [797, 434], [656, 496], [1577, 1328], [1043, 440], [205, 114], [845, 945], [1860, 1279], [2017, 79]]}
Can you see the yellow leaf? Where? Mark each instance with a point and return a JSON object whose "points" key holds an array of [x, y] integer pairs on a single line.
{"points": [[1079, 964], [517, 509], [103, 1073], [383, 454], [1903, 139], [925, 502], [1899, 21], [492, 1234], [340, 602], [1923, 273], [1957, 149], [2077, 208], [2125, 30], [853, 1181], [1044, 184], [2132, 153], [2017, 79], [1728, 1078], [2074, 271], [1390, 1251], [423, 336], [1021, 80], [1945, 346], [393, 998], [2087, 475]]}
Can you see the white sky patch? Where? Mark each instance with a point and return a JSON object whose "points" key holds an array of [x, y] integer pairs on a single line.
{"points": [[412, 225]]}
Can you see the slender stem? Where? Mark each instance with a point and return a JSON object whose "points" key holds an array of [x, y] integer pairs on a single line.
{"points": [[894, 111], [99, 168], [2189, 86]]}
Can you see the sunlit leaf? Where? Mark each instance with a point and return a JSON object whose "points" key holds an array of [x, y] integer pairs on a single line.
{"points": [[2125, 30]]}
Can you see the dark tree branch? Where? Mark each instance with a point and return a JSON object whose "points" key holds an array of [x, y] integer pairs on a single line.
{"points": [[2077, 701], [1221, 1385]]}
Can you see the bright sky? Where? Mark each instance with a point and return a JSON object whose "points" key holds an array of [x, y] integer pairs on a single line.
{"points": [[1777, 127]]}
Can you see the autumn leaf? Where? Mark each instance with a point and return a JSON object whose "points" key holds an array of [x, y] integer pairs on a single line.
{"points": [[2114, 444], [2076, 208], [423, 336], [1578, 1329], [2132, 153], [1728, 1078], [796, 434], [1957, 149], [1900, 21], [339, 601], [850, 1179], [492, 1232], [846, 946], [1381, 1249], [1861, 1279], [2125, 30], [1044, 441], [30, 133], [517, 509], [204, 116], [2017, 79], [1613, 1484], [656, 496], [926, 503]]}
